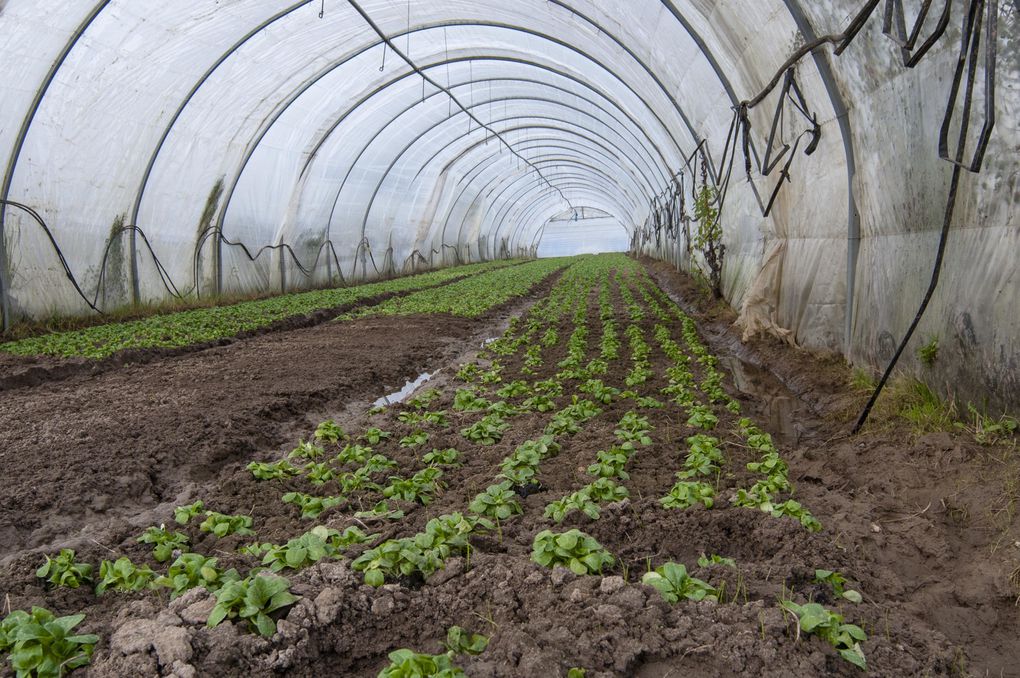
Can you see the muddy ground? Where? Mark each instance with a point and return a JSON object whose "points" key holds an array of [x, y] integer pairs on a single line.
{"points": [[923, 526]]}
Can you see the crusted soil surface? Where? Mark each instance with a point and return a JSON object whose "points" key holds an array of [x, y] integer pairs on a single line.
{"points": [[915, 523]]}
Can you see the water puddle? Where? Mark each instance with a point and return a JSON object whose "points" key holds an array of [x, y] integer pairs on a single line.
{"points": [[784, 411], [404, 393]]}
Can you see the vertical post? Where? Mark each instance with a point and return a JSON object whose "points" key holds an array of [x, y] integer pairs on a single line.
{"points": [[283, 269], [136, 295], [218, 261], [5, 310]]}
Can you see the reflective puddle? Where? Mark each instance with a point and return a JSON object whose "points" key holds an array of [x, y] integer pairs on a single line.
{"points": [[404, 393], [784, 411]]}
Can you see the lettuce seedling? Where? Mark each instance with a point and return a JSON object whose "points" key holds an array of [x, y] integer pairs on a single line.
{"points": [[311, 507], [328, 432], [606, 490], [674, 583], [192, 570], [415, 439], [319, 474], [838, 583], [686, 494], [354, 454], [487, 431], [306, 451], [183, 514], [425, 399], [312, 546], [378, 463], [374, 436], [468, 373], [253, 600], [165, 543], [539, 403], [41, 644], [599, 391], [124, 576], [421, 487], [515, 389], [466, 400], [61, 570], [497, 501], [410, 664], [380, 511], [701, 417], [223, 525], [358, 480], [549, 387], [709, 560], [459, 642], [447, 457], [275, 471], [573, 549], [846, 638]]}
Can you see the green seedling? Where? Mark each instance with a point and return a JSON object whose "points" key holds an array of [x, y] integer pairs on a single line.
{"points": [[330, 433], [380, 511], [223, 525], [686, 494], [701, 417], [39, 644], [447, 457], [675, 584], [421, 487], [425, 399], [467, 400], [573, 549], [838, 583], [253, 600], [497, 502], [124, 576], [184, 514], [61, 570], [319, 474], [374, 436], [709, 560], [275, 471], [468, 373], [311, 507], [410, 664], [192, 570], [165, 544], [415, 439], [378, 463], [846, 638], [306, 451], [515, 389], [606, 490], [487, 431], [354, 454], [558, 510], [461, 642]]}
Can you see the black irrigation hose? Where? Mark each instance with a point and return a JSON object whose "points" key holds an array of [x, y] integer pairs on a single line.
{"points": [[968, 60], [936, 273]]}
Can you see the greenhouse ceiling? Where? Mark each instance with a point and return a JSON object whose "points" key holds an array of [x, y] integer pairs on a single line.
{"points": [[155, 150]]}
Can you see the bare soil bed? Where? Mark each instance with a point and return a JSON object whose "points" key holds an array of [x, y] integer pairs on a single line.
{"points": [[91, 460]]}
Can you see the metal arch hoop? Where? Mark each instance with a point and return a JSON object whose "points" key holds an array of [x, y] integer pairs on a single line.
{"points": [[496, 156], [489, 162], [443, 148], [399, 156]]}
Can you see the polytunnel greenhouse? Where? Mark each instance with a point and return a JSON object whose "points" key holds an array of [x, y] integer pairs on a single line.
{"points": [[551, 338]]}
